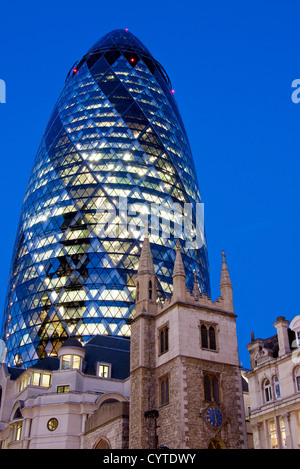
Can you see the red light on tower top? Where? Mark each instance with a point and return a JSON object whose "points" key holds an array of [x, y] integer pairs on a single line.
{"points": [[132, 60], [75, 70], [126, 29], [172, 91]]}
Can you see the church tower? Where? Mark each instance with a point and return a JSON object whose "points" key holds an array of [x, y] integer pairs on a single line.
{"points": [[186, 388]]}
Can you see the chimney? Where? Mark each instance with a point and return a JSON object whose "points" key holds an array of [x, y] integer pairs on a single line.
{"points": [[281, 325]]}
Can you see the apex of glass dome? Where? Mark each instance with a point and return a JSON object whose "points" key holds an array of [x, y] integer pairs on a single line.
{"points": [[121, 39]]}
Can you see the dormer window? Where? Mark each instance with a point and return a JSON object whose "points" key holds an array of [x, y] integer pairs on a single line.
{"points": [[71, 355], [104, 370]]}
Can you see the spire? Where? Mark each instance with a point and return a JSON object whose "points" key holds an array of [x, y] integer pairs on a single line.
{"points": [[225, 284], [145, 280], [179, 276], [225, 278], [146, 260], [178, 265]]}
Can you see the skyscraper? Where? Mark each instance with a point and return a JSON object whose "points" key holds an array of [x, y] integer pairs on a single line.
{"points": [[114, 152]]}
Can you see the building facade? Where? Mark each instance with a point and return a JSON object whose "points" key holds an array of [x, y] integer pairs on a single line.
{"points": [[176, 383], [274, 387], [114, 152]]}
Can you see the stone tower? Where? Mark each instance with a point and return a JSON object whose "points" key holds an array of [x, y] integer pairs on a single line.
{"points": [[186, 389]]}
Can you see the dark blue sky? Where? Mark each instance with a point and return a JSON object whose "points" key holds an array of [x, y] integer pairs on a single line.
{"points": [[232, 64]]}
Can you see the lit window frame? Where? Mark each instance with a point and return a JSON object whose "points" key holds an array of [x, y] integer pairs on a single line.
{"points": [[71, 361], [106, 366]]}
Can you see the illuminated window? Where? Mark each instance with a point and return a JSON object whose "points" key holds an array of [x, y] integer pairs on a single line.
{"points": [[18, 431], [104, 370], [69, 362], [76, 362], [282, 432], [36, 379], [52, 424], [62, 389], [46, 380], [66, 362], [273, 434]]}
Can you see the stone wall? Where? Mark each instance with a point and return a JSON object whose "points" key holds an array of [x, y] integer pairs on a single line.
{"points": [[110, 422]]}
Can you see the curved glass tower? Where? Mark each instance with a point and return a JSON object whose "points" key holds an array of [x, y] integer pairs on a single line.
{"points": [[113, 151]]}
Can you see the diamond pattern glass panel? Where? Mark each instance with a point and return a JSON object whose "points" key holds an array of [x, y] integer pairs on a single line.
{"points": [[115, 134]]}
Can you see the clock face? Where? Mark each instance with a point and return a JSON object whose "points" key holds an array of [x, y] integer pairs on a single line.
{"points": [[214, 416]]}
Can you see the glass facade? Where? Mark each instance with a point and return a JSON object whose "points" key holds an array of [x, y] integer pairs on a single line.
{"points": [[114, 148]]}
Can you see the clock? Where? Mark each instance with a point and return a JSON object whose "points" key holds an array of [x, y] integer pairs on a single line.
{"points": [[214, 416]]}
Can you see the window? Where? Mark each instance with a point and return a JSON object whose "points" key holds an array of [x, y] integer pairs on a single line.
{"points": [[71, 362], [273, 434], [297, 378], [277, 387], [104, 370], [204, 337], [52, 424], [211, 387], [208, 336], [76, 362], [61, 389], [18, 431], [212, 338], [66, 362], [282, 432], [163, 339], [24, 382], [267, 391], [36, 379], [298, 338], [164, 390], [46, 380], [150, 290]]}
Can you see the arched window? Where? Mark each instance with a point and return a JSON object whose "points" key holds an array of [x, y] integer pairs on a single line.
{"points": [[102, 444], [204, 336], [212, 338], [267, 390], [215, 388], [150, 290], [277, 388], [211, 388], [208, 336], [297, 378], [207, 388]]}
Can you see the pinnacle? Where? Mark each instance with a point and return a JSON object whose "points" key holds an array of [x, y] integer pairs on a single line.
{"points": [[178, 265], [146, 261]]}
